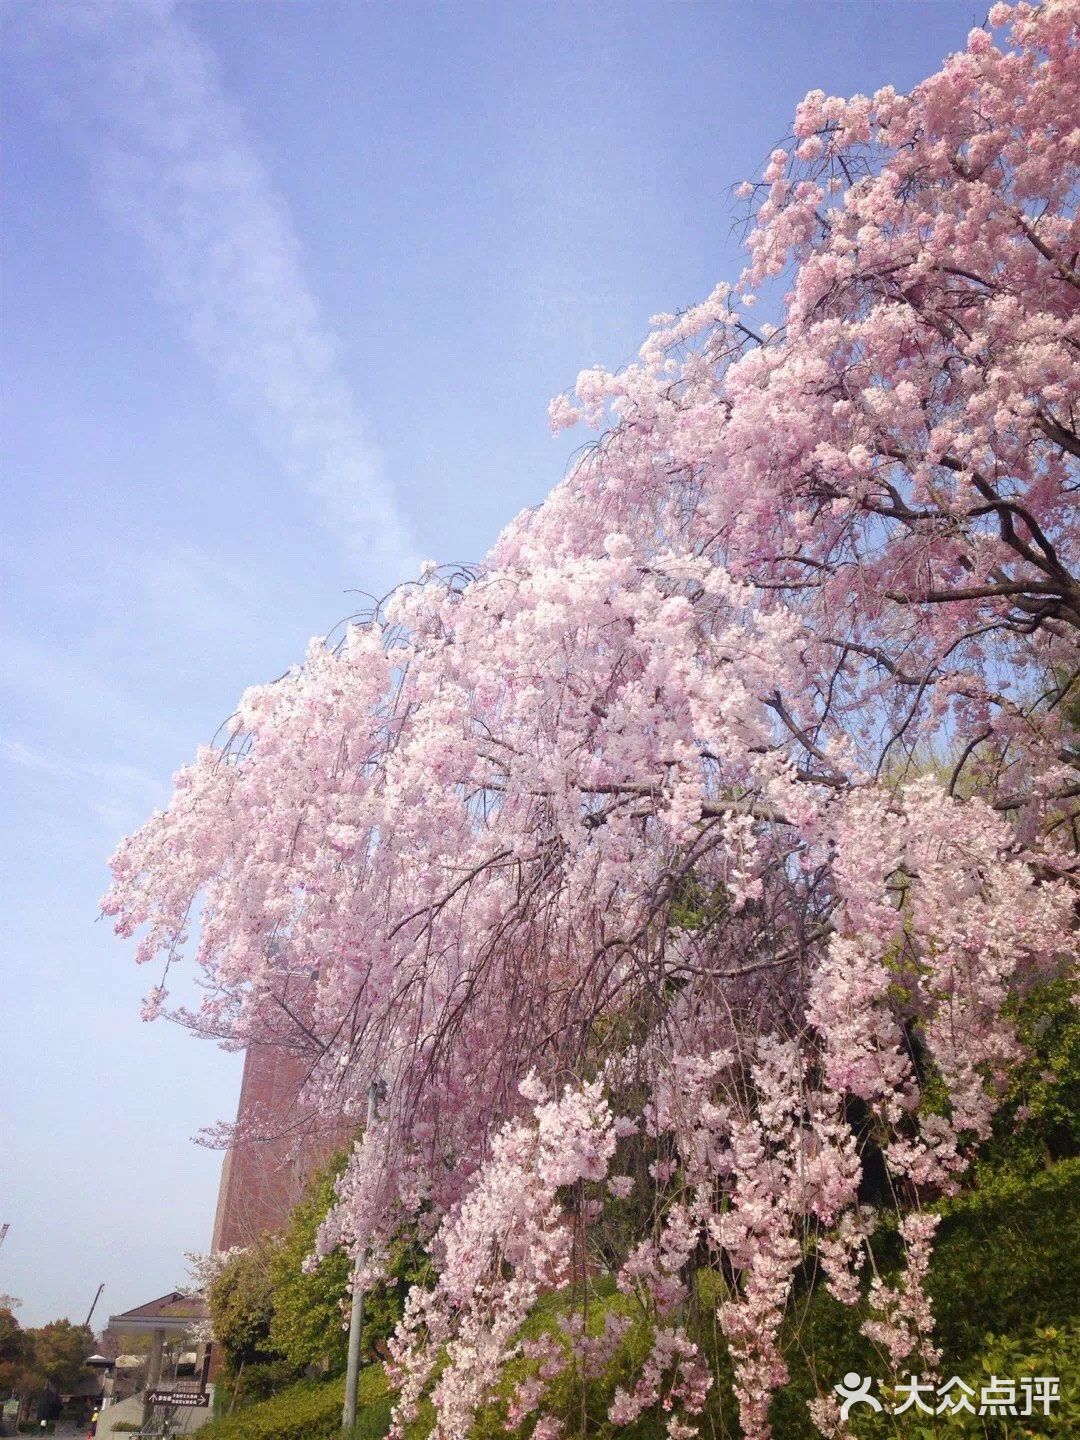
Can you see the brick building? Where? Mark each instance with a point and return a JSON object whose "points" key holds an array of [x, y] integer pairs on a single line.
{"points": [[274, 1150]]}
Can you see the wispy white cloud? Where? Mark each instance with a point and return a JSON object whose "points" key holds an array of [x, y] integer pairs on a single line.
{"points": [[177, 168], [75, 694], [117, 796], [30, 757], [16, 752]]}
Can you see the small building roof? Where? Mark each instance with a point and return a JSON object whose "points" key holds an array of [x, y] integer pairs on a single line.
{"points": [[174, 1311]]}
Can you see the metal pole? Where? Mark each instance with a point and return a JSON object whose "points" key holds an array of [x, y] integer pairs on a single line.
{"points": [[356, 1317], [352, 1374], [93, 1307]]}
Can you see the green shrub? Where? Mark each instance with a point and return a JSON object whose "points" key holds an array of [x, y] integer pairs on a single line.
{"points": [[1007, 1258], [1044, 1352], [259, 1380], [1039, 1120], [1004, 1281], [275, 1320], [307, 1310], [1005, 1261], [309, 1410], [241, 1309]]}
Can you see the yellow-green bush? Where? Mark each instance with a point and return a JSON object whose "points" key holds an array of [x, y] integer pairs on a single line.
{"points": [[309, 1410]]}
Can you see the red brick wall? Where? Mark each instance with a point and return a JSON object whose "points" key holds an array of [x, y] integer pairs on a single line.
{"points": [[264, 1172]]}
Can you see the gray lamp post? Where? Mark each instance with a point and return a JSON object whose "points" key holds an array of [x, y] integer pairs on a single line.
{"points": [[376, 1093]]}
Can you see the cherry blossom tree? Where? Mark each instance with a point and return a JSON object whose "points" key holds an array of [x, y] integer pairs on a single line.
{"points": [[710, 824]]}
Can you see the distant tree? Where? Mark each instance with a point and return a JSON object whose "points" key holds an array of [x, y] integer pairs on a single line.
{"points": [[16, 1355], [60, 1350], [130, 1343]]}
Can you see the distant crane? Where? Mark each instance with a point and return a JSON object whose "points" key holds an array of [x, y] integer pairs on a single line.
{"points": [[93, 1307], [3, 1230]]}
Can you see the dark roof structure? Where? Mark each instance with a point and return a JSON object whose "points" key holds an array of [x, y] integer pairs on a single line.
{"points": [[172, 1312]]}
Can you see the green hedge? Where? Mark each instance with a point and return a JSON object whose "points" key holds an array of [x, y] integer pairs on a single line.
{"points": [[1006, 1263], [309, 1410]]}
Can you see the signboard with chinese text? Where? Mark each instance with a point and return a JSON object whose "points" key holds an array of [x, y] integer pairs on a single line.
{"points": [[178, 1397]]}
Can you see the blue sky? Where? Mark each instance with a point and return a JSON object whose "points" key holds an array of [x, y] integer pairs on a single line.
{"points": [[287, 288]]}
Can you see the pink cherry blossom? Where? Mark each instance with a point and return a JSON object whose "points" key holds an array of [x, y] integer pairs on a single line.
{"points": [[732, 790]]}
